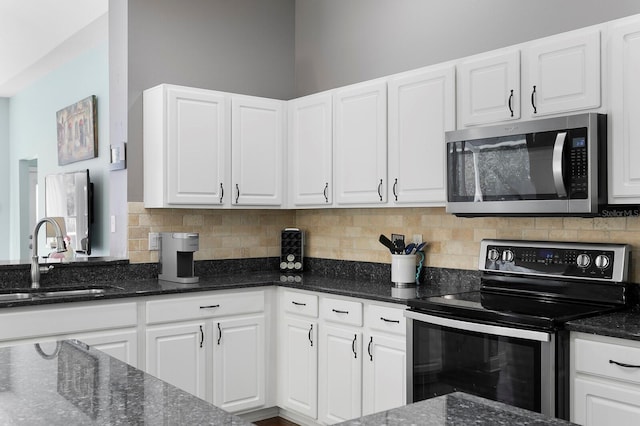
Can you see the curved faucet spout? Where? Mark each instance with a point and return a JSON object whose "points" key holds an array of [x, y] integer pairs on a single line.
{"points": [[35, 265]]}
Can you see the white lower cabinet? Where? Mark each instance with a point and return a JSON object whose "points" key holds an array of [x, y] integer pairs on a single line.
{"points": [[239, 363], [176, 354], [362, 359], [121, 344], [298, 353], [605, 374], [211, 345]]}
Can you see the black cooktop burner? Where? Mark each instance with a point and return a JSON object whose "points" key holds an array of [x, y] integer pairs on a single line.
{"points": [[524, 311]]}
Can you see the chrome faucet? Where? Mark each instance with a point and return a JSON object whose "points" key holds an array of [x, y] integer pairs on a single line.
{"points": [[36, 269]]}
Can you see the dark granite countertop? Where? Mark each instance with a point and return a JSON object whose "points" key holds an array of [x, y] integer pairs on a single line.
{"points": [[360, 288], [624, 324], [71, 384], [456, 409]]}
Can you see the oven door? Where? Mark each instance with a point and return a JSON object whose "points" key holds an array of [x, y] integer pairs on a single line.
{"points": [[503, 364]]}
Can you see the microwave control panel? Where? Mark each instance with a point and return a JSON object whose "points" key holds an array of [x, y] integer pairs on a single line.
{"points": [[578, 164]]}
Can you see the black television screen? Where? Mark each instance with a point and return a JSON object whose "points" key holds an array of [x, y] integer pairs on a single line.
{"points": [[69, 199]]}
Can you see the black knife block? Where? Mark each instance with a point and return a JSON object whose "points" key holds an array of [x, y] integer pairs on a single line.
{"points": [[291, 250]]}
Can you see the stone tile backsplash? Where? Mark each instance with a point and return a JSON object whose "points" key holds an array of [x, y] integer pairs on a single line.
{"points": [[352, 234]]}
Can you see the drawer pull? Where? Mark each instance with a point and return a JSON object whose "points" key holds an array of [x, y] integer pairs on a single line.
{"points": [[622, 364], [388, 320], [298, 303], [209, 306], [337, 311]]}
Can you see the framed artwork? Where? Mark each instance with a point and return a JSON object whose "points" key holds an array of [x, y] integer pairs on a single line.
{"points": [[77, 131]]}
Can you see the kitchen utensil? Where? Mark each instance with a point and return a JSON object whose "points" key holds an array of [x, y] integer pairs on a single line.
{"points": [[409, 249], [420, 246], [387, 243]]}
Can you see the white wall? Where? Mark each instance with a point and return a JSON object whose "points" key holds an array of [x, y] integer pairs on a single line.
{"points": [[342, 42], [4, 177], [33, 135]]}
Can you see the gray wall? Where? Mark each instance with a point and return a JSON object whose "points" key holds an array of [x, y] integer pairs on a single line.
{"points": [[4, 177], [240, 46], [339, 42]]}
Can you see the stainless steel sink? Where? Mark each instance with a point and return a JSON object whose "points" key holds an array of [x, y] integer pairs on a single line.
{"points": [[9, 297], [70, 293]]}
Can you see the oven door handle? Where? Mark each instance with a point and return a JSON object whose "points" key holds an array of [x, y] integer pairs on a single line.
{"points": [[557, 164], [495, 330]]}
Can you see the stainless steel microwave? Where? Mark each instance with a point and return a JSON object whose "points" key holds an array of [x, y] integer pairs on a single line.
{"points": [[554, 166]]}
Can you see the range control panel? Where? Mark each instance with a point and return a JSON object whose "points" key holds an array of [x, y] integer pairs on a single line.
{"points": [[608, 262]]}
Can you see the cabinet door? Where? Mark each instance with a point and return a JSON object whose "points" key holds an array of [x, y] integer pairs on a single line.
{"points": [[360, 144], [599, 403], [563, 73], [299, 375], [624, 148], [310, 141], [197, 151], [239, 363], [120, 344], [489, 88], [421, 109], [176, 354], [256, 141], [340, 374], [384, 374]]}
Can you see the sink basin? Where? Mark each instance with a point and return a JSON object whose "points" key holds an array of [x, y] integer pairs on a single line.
{"points": [[9, 297], [71, 293]]}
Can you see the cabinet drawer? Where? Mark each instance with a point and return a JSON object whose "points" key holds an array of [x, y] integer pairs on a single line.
{"points": [[382, 318], [300, 303], [342, 311], [208, 306], [595, 358]]}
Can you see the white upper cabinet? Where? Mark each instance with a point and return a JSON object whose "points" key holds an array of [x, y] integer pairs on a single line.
{"points": [[562, 73], [624, 122], [186, 147], [421, 109], [310, 150], [257, 140], [489, 88], [360, 144]]}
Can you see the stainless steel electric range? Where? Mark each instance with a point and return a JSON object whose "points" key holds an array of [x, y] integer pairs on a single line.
{"points": [[507, 341]]}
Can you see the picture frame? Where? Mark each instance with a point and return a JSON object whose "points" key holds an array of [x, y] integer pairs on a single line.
{"points": [[77, 130]]}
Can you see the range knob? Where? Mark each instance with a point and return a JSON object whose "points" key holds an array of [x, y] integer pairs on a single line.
{"points": [[602, 261], [507, 256], [583, 260], [493, 255]]}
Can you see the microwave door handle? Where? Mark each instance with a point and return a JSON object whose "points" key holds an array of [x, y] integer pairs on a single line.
{"points": [[558, 149]]}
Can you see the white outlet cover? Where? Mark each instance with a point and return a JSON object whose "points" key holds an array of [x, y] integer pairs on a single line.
{"points": [[153, 240]]}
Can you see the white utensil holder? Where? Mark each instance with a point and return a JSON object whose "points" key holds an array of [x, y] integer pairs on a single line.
{"points": [[403, 270]]}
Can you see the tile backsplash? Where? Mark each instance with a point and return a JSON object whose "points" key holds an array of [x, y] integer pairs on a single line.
{"points": [[352, 234]]}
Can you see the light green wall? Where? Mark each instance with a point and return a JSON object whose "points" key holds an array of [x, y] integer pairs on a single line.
{"points": [[33, 135], [4, 176]]}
